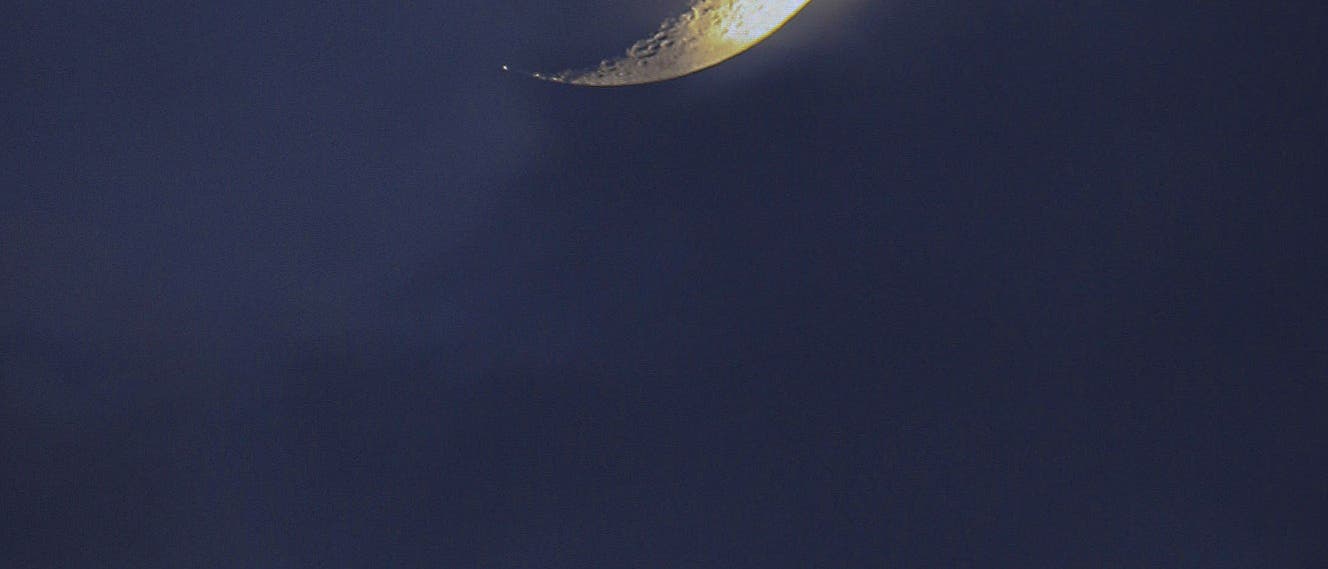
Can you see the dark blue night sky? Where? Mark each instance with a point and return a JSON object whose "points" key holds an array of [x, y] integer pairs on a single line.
{"points": [[910, 285]]}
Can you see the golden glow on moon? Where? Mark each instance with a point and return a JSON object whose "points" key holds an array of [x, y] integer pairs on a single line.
{"points": [[707, 34]]}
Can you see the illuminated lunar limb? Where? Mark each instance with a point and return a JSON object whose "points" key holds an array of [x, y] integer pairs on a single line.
{"points": [[709, 33]]}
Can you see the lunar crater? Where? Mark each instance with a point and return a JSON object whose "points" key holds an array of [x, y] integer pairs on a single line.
{"points": [[708, 33]]}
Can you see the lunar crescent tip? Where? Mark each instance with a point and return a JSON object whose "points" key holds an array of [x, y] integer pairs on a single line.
{"points": [[533, 74]]}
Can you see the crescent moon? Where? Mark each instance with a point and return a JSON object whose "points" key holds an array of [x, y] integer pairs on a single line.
{"points": [[707, 34]]}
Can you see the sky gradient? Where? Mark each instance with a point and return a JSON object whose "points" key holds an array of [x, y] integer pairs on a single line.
{"points": [[910, 284]]}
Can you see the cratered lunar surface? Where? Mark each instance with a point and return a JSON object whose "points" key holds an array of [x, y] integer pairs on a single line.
{"points": [[710, 32]]}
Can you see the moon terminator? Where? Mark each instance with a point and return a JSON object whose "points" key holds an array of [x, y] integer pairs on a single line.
{"points": [[707, 34]]}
